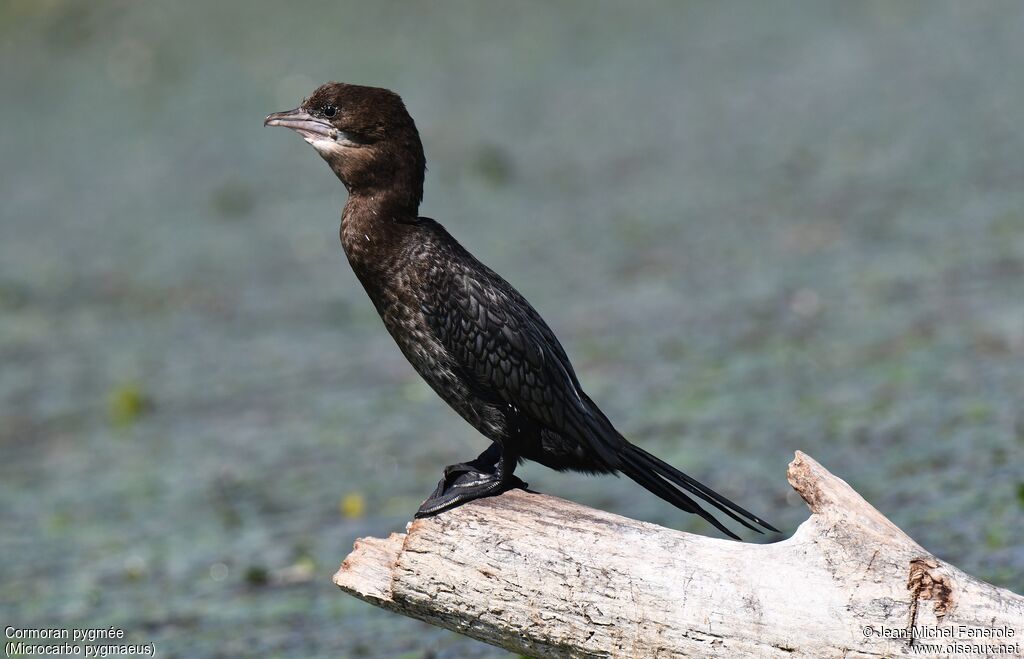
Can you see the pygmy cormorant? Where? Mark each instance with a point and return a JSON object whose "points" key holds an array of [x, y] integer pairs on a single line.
{"points": [[475, 340]]}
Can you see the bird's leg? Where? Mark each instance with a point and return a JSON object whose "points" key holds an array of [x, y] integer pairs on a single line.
{"points": [[489, 474]]}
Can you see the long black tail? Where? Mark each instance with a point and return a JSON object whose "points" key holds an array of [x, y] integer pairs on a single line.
{"points": [[665, 481]]}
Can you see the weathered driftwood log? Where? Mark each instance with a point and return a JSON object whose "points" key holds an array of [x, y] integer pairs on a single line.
{"points": [[550, 578]]}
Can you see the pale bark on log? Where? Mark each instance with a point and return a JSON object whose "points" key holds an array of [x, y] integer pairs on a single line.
{"points": [[550, 578]]}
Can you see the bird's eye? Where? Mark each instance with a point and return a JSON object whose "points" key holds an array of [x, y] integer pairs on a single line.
{"points": [[330, 111]]}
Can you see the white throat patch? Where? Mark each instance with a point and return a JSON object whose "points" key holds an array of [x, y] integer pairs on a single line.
{"points": [[337, 142]]}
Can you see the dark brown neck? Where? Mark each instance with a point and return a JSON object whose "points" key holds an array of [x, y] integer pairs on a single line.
{"points": [[385, 176], [372, 224], [385, 204], [385, 187], [397, 191]]}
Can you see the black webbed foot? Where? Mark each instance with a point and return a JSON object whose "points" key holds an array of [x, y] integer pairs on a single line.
{"points": [[467, 481]]}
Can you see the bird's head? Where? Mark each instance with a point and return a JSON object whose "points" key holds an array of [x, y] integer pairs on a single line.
{"points": [[365, 134]]}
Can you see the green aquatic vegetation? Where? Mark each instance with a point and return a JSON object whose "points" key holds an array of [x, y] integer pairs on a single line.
{"points": [[494, 165], [352, 505], [126, 403], [257, 575]]}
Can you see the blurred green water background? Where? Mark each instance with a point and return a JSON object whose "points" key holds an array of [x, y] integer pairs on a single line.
{"points": [[757, 228]]}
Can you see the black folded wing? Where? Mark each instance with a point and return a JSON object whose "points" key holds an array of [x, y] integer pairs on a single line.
{"points": [[509, 354]]}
